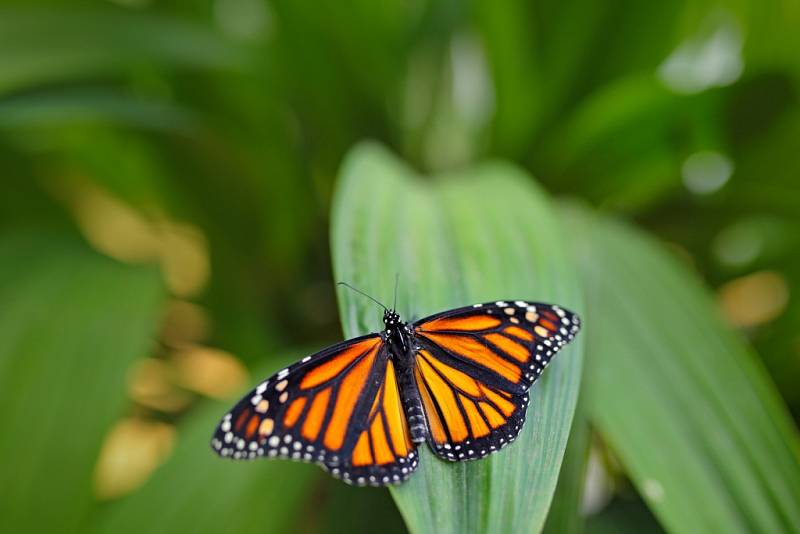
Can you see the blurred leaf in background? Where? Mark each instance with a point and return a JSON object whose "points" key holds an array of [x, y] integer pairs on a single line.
{"points": [[72, 322], [167, 198]]}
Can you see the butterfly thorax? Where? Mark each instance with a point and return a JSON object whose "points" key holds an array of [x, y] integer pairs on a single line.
{"points": [[397, 334]]}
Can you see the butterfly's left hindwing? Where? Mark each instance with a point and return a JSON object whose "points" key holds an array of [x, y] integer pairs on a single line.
{"points": [[339, 408], [473, 369]]}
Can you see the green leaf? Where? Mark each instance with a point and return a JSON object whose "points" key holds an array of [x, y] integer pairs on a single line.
{"points": [[49, 46], [62, 109], [481, 235], [565, 515], [683, 403], [71, 323], [196, 491], [348, 509], [510, 42]]}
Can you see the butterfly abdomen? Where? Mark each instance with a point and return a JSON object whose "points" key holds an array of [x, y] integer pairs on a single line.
{"points": [[412, 403]]}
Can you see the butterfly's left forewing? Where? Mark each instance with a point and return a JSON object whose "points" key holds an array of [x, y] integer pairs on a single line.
{"points": [[474, 366], [339, 408]]}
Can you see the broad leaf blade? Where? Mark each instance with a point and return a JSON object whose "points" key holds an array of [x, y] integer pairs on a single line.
{"points": [[71, 322], [682, 402], [565, 514], [40, 46], [197, 491], [482, 235]]}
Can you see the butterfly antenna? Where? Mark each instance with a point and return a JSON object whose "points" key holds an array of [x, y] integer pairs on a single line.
{"points": [[396, 281], [345, 284]]}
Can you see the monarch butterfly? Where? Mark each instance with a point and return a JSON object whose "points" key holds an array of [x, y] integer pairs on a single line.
{"points": [[458, 379]]}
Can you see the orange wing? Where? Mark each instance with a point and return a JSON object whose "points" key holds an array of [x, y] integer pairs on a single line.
{"points": [[474, 367], [339, 408], [384, 452]]}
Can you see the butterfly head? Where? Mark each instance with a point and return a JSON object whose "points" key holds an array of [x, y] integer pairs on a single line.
{"points": [[391, 318]]}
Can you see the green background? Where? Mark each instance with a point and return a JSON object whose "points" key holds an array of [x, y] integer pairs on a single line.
{"points": [[182, 182]]}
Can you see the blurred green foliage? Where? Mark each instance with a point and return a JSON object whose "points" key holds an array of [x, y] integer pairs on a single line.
{"points": [[165, 207]]}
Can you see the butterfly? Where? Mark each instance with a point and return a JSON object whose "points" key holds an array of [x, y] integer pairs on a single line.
{"points": [[458, 379]]}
